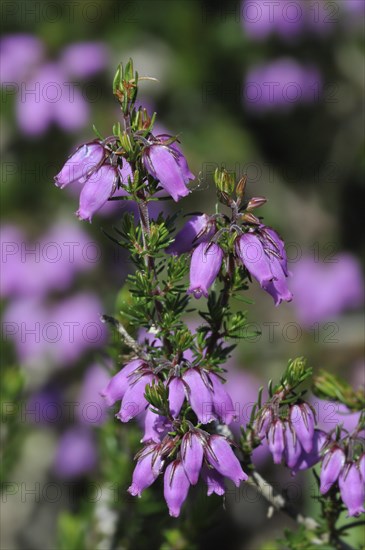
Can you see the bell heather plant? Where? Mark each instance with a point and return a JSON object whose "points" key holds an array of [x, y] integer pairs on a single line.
{"points": [[173, 379]]}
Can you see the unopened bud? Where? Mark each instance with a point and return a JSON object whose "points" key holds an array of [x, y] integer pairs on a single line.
{"points": [[256, 202], [224, 181]]}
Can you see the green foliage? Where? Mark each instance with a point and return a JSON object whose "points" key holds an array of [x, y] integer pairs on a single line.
{"points": [[71, 532], [329, 386], [11, 399]]}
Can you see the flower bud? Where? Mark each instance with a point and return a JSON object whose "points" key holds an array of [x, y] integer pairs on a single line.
{"points": [[332, 465], [205, 265], [352, 489], [256, 202], [176, 487]]}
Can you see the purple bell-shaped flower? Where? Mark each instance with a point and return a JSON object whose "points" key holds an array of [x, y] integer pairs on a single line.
{"points": [[80, 164], [265, 259], [167, 164], [192, 453], [220, 455], [176, 487], [176, 395], [200, 396], [146, 471], [352, 489], [303, 421], [195, 231], [276, 440], [98, 188], [205, 265], [119, 384], [332, 465]]}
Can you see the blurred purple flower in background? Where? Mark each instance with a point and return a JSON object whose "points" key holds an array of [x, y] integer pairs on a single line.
{"points": [[48, 336], [76, 453], [46, 91], [243, 387], [56, 332], [51, 263], [19, 54], [92, 407], [281, 84], [324, 290], [294, 19], [84, 59], [262, 19]]}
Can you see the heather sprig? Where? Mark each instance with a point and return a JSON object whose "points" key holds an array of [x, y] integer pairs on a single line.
{"points": [[173, 376]]}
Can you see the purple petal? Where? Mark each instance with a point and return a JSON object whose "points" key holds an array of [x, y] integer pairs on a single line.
{"points": [[119, 384], [214, 481], [146, 471], [162, 165], [332, 465], [176, 396], [185, 239], [307, 460], [176, 487], [200, 397], [293, 449], [192, 456], [96, 191], [155, 427], [134, 400], [80, 163], [205, 265], [302, 420], [223, 404], [352, 489], [276, 441], [223, 459], [251, 253], [362, 466]]}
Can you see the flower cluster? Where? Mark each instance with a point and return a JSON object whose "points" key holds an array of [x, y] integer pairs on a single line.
{"points": [[258, 248], [293, 439], [195, 452], [100, 168], [173, 383], [337, 467]]}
